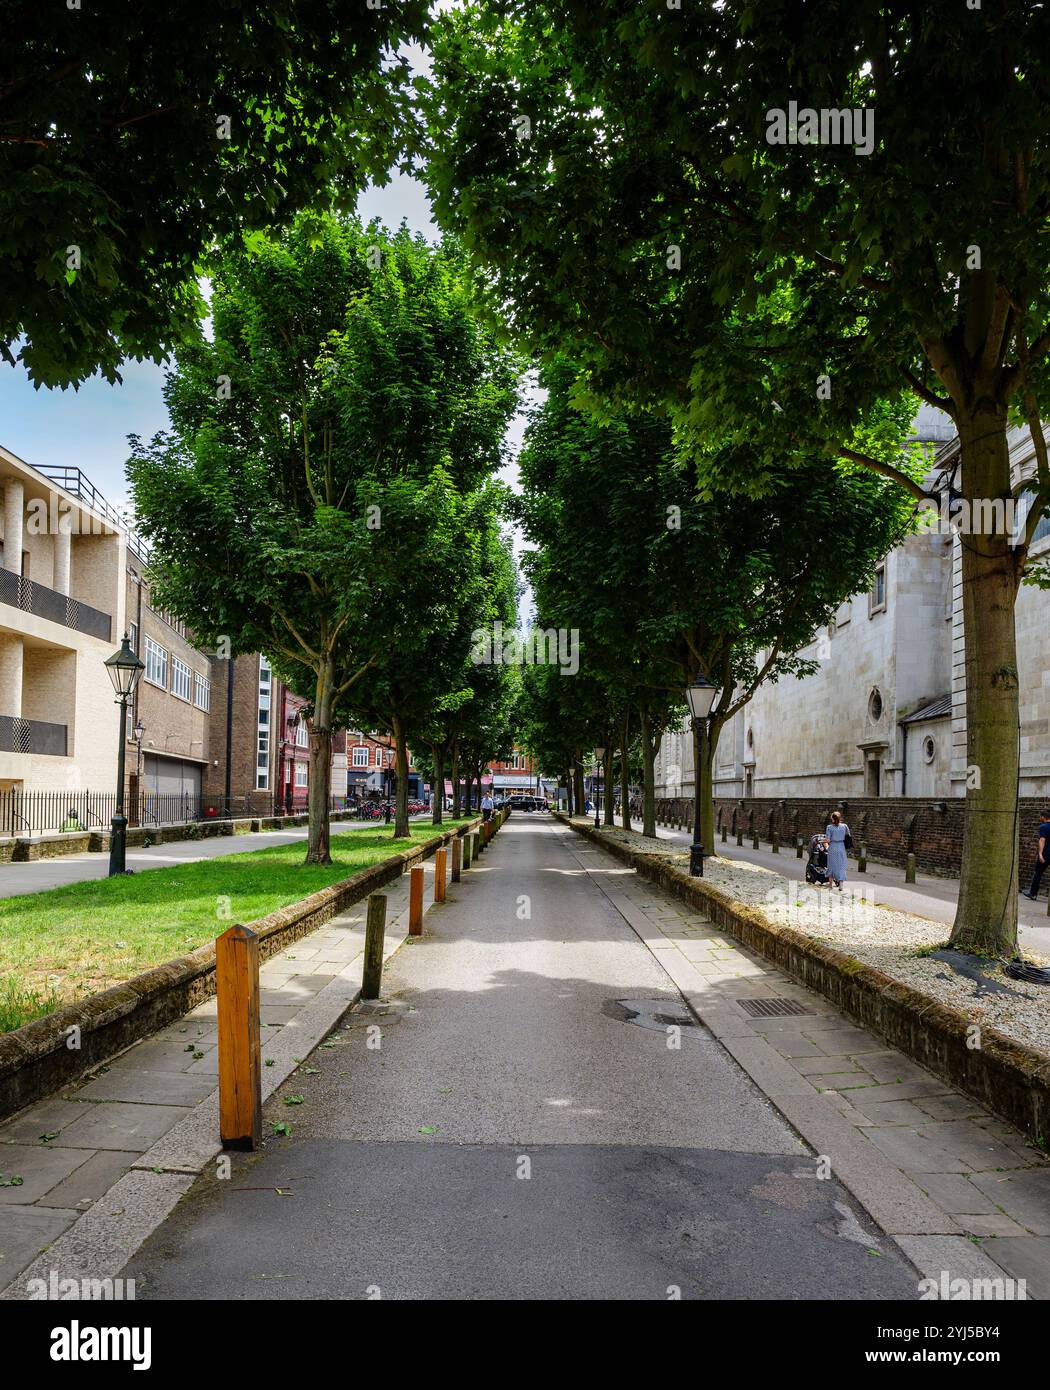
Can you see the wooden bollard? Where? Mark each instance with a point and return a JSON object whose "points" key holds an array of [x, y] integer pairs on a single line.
{"points": [[375, 930], [862, 860], [754, 841], [465, 841], [415, 901], [798, 848], [457, 858], [723, 834], [240, 1072], [439, 875], [740, 837], [909, 869], [775, 843]]}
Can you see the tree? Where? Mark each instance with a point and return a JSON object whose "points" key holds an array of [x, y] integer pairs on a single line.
{"points": [[322, 431], [642, 187], [486, 595], [135, 138], [665, 584]]}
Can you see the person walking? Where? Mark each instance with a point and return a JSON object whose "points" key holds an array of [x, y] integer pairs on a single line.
{"points": [[486, 807], [1040, 858], [839, 840]]}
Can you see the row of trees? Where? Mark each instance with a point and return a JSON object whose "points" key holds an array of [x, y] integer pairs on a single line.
{"points": [[631, 204], [325, 492], [664, 583]]}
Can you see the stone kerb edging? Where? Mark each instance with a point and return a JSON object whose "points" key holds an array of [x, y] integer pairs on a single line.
{"points": [[38, 1058], [1010, 1079]]}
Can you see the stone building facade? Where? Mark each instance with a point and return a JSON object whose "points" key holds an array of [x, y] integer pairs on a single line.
{"points": [[884, 714]]}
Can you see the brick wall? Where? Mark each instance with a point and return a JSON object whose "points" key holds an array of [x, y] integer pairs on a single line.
{"points": [[891, 827]]}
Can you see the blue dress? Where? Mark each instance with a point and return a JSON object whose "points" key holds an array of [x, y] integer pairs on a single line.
{"points": [[837, 851]]}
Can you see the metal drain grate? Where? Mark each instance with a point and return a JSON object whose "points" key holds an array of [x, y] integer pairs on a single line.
{"points": [[771, 1008]]}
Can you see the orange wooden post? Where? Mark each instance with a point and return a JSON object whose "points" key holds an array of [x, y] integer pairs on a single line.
{"points": [[240, 1073], [439, 875], [457, 859], [415, 902]]}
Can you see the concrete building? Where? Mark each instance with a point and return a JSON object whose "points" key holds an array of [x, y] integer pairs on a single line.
{"points": [[62, 610], [884, 714], [169, 729]]}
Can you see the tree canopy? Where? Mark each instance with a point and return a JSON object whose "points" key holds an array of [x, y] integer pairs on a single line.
{"points": [[135, 138]]}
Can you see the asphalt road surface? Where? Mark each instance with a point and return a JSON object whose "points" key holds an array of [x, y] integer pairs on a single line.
{"points": [[514, 1136]]}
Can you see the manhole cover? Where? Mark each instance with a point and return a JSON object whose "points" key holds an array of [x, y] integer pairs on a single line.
{"points": [[771, 1008], [656, 1014]]}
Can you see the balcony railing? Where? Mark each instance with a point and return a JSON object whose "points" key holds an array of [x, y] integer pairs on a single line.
{"points": [[31, 736], [49, 603]]}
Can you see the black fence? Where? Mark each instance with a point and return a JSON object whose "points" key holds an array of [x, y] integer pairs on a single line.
{"points": [[36, 813], [31, 597]]}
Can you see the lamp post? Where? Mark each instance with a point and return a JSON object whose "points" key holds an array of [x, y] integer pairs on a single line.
{"points": [[599, 758], [124, 669], [700, 697]]}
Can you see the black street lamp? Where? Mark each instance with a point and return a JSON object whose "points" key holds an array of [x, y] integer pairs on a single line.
{"points": [[700, 697], [599, 758], [124, 669]]}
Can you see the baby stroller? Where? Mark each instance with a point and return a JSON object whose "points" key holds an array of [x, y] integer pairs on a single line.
{"points": [[817, 863]]}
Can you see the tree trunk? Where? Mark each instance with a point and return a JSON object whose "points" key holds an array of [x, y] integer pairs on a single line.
{"points": [[578, 792], [705, 757], [608, 818], [986, 916], [648, 778], [401, 829], [318, 846], [437, 793], [625, 772], [568, 792]]}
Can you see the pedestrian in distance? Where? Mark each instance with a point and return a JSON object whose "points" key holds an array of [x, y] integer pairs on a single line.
{"points": [[386, 814], [1040, 858], [486, 807], [839, 840]]}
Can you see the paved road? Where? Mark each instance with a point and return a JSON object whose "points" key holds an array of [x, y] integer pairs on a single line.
{"points": [[40, 874], [935, 898], [514, 1136]]}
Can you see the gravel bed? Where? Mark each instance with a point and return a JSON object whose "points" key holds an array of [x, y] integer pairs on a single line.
{"points": [[891, 940]]}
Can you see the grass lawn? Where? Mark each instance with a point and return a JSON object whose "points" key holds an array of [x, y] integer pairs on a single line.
{"points": [[63, 944]]}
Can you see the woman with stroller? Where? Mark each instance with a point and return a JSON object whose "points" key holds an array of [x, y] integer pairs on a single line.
{"points": [[836, 834]]}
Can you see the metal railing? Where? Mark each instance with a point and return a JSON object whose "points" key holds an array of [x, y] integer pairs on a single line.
{"points": [[35, 598], [32, 736], [74, 481], [37, 813]]}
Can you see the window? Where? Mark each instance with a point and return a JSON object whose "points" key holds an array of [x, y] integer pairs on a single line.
{"points": [[181, 682], [875, 706], [877, 597], [360, 757], [379, 757], [302, 734], [262, 753], [133, 636], [156, 664], [201, 691], [929, 749], [302, 774]]}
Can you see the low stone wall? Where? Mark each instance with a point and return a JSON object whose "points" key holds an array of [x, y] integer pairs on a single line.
{"points": [[1008, 1078], [41, 1056], [890, 827]]}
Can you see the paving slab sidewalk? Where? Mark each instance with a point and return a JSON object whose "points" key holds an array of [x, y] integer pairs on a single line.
{"points": [[99, 1164], [955, 1186]]}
